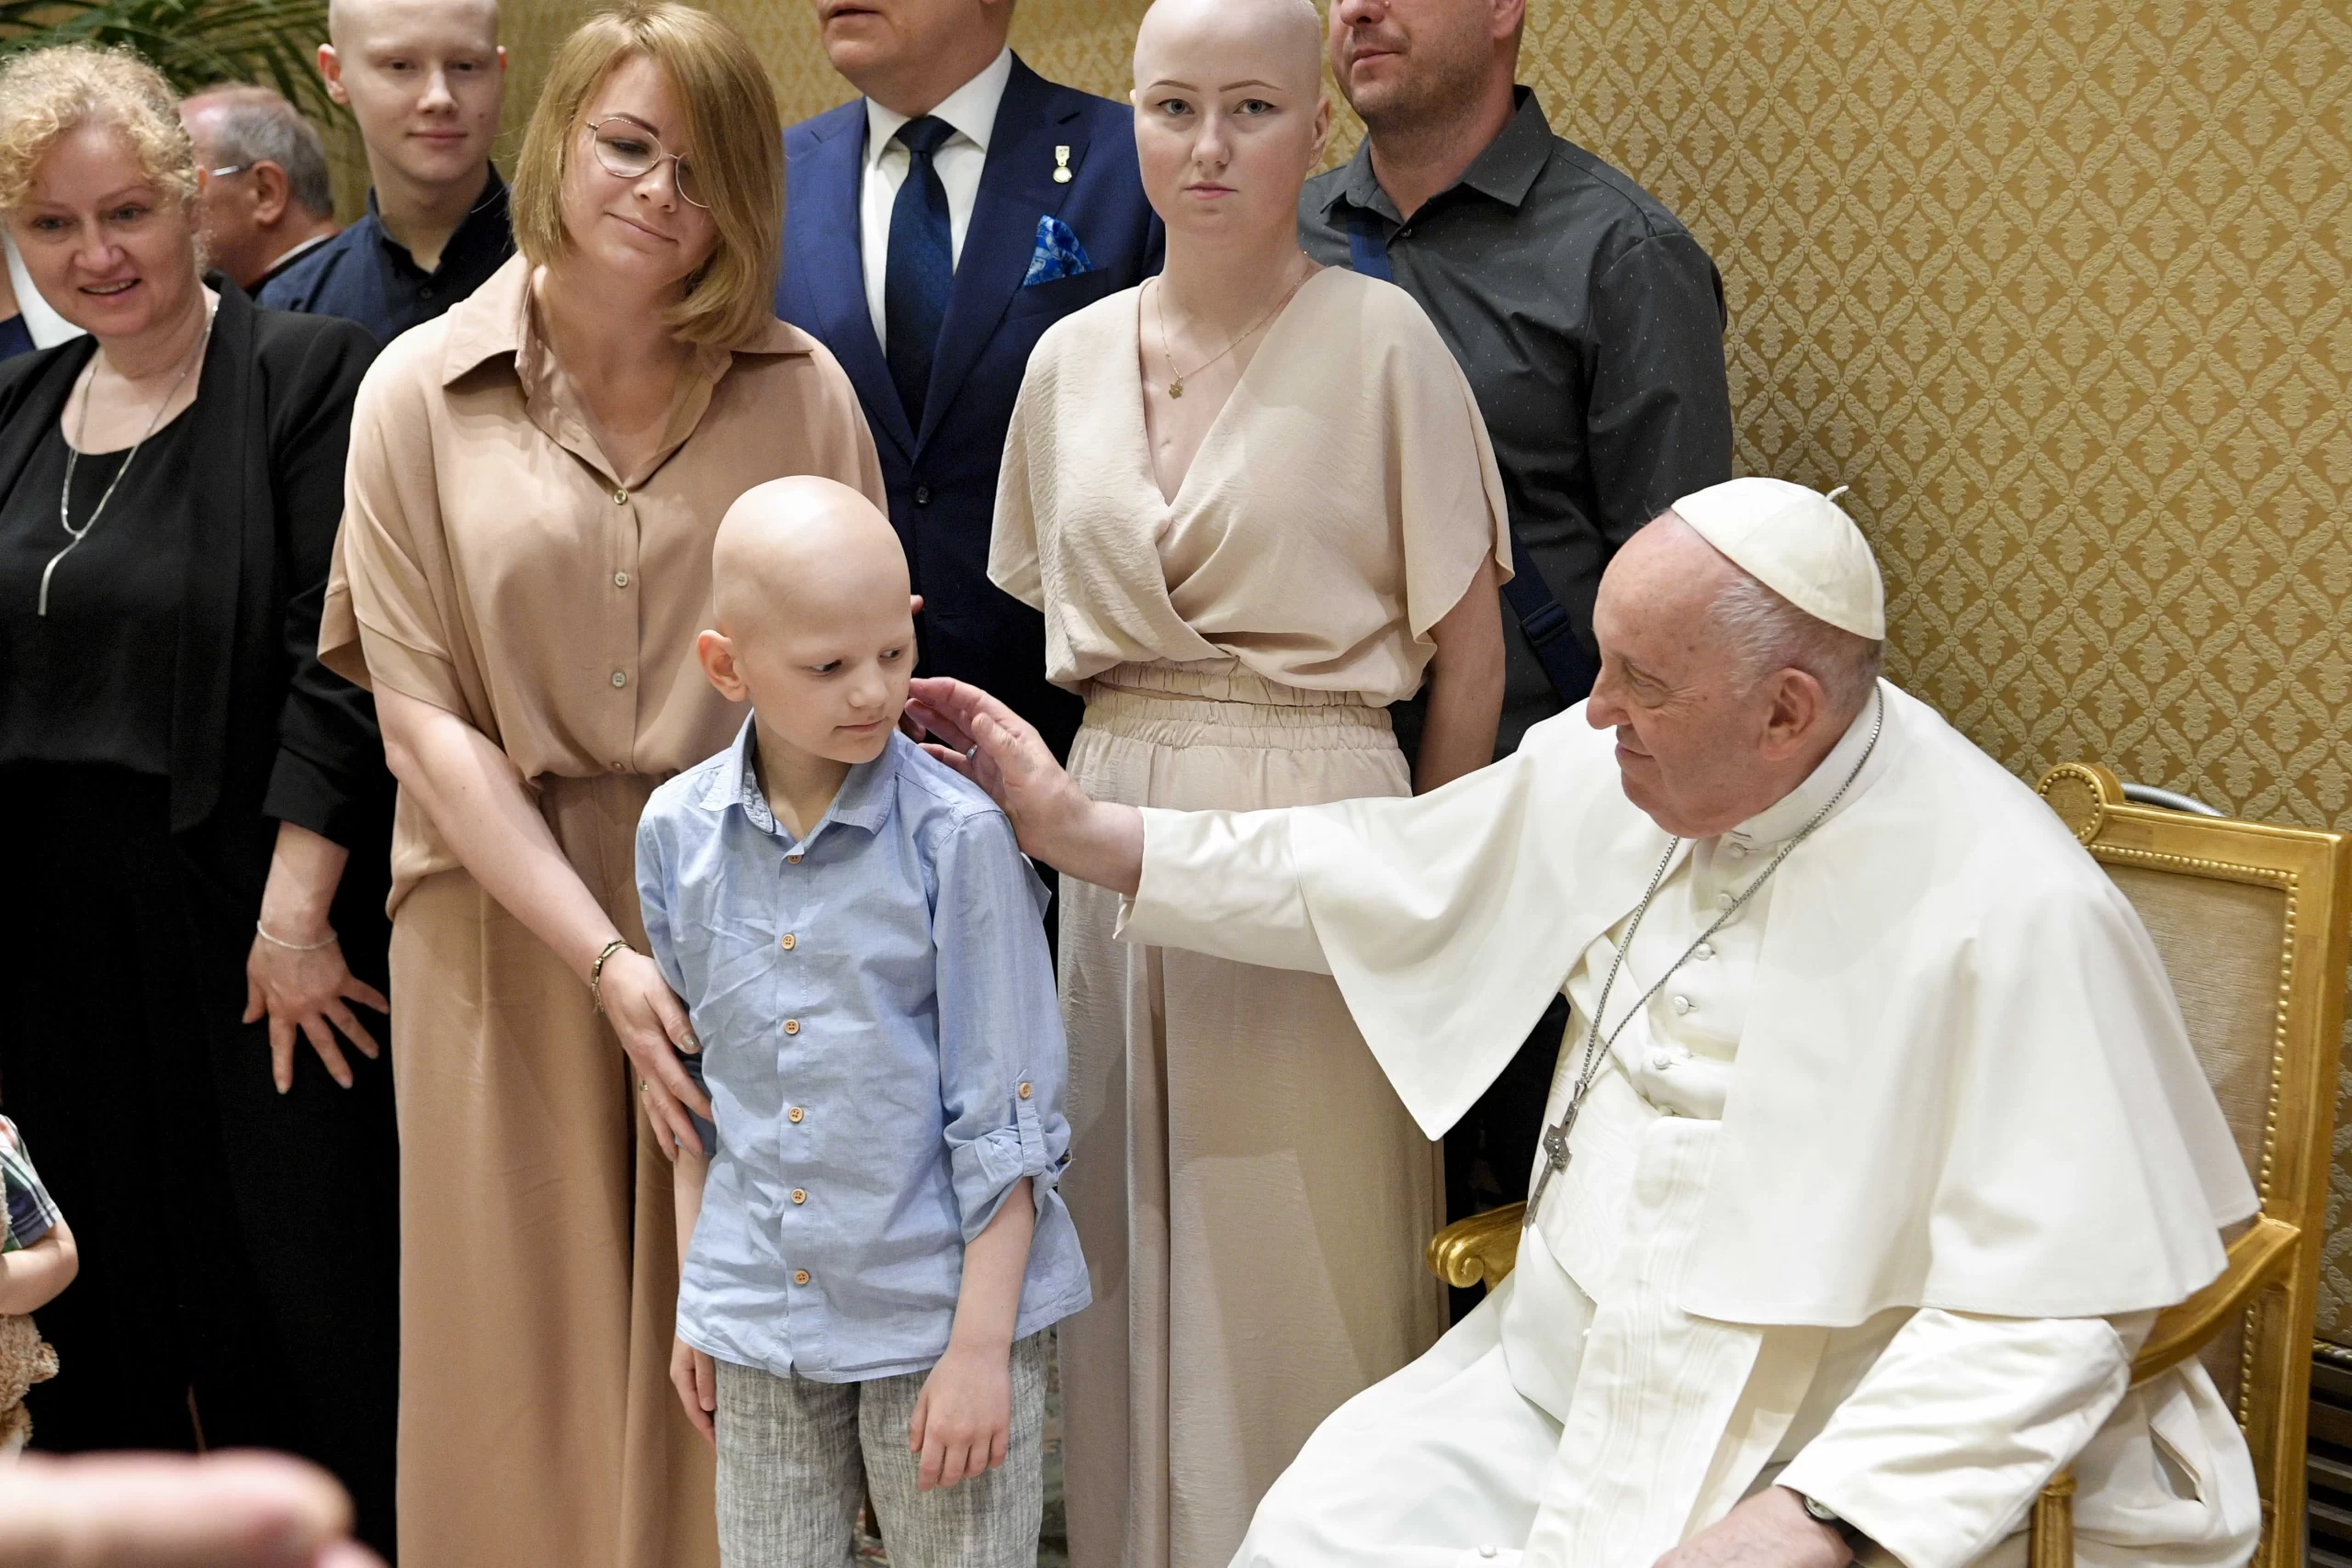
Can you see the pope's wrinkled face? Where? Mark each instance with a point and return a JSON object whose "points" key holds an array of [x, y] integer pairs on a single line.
{"points": [[1695, 747]]}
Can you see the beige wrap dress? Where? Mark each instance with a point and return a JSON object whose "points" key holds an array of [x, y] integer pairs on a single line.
{"points": [[1252, 1197], [492, 563]]}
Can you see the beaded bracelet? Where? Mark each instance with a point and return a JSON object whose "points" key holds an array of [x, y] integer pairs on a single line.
{"points": [[597, 971]]}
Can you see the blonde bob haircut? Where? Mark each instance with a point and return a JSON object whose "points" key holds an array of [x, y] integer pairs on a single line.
{"points": [[738, 156], [46, 95]]}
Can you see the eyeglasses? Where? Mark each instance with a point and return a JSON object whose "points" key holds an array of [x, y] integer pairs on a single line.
{"points": [[225, 170], [626, 148]]}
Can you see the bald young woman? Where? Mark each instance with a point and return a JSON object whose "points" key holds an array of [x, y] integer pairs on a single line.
{"points": [[1255, 503]]}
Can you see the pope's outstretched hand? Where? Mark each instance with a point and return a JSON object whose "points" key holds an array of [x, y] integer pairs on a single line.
{"points": [[1000, 751]]}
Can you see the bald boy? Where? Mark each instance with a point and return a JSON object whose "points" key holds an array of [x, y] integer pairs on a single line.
{"points": [[423, 78], [871, 1244]]}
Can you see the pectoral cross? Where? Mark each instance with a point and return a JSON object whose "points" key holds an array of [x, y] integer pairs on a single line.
{"points": [[1555, 1159]]}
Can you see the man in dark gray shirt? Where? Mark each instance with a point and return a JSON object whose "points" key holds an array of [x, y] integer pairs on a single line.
{"points": [[1590, 325], [1588, 321]]}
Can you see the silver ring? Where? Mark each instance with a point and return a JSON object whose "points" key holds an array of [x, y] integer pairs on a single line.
{"points": [[972, 751]]}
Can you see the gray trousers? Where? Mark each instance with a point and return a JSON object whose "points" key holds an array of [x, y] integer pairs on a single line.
{"points": [[789, 1452]]}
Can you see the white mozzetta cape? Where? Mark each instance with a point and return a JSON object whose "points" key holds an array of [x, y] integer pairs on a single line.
{"points": [[1964, 1083]]}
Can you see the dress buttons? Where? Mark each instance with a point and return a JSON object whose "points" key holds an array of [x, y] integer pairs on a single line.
{"points": [[1682, 1004], [800, 1194], [800, 1276], [620, 497], [1703, 951], [792, 1026], [620, 679], [922, 495], [620, 580], [1737, 850], [790, 942], [795, 1114], [1024, 1092], [792, 859], [1484, 1551], [1661, 1060], [620, 767], [1722, 900]]}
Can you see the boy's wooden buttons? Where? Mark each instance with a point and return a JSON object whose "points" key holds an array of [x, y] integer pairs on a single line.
{"points": [[1024, 1092], [800, 1194], [790, 942], [792, 1026], [795, 1114], [800, 1276]]}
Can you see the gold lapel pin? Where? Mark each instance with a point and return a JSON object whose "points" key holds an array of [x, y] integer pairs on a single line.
{"points": [[1061, 165]]}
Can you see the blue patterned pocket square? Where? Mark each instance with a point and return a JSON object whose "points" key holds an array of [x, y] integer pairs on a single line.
{"points": [[1058, 254]]}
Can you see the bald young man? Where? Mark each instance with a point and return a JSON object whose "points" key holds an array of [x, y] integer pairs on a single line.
{"points": [[1875, 1145], [424, 79]]}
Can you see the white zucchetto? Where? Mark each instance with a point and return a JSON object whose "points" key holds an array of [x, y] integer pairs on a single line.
{"points": [[1798, 543]]}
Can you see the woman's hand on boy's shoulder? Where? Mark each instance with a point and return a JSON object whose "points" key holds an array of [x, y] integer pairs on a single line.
{"points": [[964, 1416]]}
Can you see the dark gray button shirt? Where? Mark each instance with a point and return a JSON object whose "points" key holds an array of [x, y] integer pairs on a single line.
{"points": [[1590, 324]]}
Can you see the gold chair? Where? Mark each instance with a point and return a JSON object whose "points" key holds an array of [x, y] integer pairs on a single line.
{"points": [[2251, 920]]}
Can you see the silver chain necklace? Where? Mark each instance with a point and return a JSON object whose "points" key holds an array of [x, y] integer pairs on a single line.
{"points": [[74, 456], [1555, 1137]]}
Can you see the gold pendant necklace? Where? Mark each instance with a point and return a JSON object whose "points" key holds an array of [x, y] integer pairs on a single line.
{"points": [[1166, 345]]}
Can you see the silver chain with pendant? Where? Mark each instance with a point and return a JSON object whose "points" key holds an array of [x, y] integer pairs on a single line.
{"points": [[74, 456], [1555, 1136]]}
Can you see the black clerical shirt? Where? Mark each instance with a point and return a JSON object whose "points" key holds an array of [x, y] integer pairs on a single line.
{"points": [[364, 275], [1590, 325]]}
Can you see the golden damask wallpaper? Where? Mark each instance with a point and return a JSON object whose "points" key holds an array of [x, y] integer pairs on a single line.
{"points": [[2056, 286]]}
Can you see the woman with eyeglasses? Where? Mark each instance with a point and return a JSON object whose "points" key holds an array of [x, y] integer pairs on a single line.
{"points": [[535, 480]]}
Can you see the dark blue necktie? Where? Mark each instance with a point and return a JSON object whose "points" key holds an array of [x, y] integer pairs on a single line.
{"points": [[921, 268]]}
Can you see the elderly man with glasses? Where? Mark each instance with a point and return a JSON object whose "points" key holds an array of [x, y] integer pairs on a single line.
{"points": [[264, 197]]}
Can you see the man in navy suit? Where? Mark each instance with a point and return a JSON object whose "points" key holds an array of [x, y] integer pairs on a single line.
{"points": [[933, 228]]}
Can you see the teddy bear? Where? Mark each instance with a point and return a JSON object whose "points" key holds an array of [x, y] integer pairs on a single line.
{"points": [[25, 1359]]}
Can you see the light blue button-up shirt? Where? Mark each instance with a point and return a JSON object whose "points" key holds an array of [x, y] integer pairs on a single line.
{"points": [[883, 1054]]}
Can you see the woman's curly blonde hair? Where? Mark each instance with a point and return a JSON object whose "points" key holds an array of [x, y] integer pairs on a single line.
{"points": [[48, 93]]}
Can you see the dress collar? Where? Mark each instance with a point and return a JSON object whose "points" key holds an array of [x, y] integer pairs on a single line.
{"points": [[862, 801], [1505, 171], [494, 323], [970, 109], [1788, 815]]}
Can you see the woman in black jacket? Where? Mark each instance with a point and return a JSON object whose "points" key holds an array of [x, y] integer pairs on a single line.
{"points": [[196, 815]]}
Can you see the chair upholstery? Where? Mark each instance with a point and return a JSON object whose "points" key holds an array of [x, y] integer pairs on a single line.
{"points": [[2251, 923]]}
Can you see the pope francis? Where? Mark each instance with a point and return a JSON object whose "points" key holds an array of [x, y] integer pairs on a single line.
{"points": [[1875, 1144]]}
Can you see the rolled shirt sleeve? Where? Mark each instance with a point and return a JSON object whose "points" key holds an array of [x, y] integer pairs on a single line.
{"points": [[1002, 1063], [1940, 1453]]}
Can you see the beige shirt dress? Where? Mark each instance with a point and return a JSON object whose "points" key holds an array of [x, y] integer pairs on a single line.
{"points": [[492, 563]]}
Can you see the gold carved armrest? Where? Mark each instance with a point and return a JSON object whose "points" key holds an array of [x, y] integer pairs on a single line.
{"points": [[2258, 1259], [1480, 1249]]}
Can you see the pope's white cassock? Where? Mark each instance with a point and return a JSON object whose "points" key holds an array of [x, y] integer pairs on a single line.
{"points": [[1876, 1199]]}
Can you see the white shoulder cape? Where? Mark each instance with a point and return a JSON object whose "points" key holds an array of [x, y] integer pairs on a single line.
{"points": [[1964, 1082]]}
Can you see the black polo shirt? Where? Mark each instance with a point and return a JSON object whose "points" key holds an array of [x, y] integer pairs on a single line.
{"points": [[364, 275], [1590, 325]]}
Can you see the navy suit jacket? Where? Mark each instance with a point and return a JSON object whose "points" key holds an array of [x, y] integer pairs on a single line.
{"points": [[942, 469]]}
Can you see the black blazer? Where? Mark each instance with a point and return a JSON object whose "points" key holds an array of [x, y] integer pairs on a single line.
{"points": [[261, 731]]}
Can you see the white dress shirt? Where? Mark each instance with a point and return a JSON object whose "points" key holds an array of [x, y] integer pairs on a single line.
{"points": [[971, 109]]}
